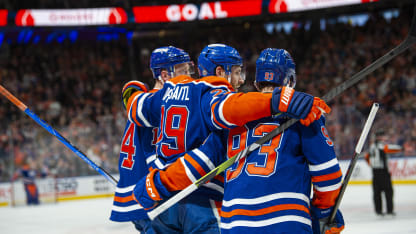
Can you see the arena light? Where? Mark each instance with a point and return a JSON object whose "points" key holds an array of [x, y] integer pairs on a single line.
{"points": [[71, 17], [3, 17], [283, 6], [191, 12]]}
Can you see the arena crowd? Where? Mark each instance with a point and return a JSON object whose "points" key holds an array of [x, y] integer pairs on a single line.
{"points": [[76, 87]]}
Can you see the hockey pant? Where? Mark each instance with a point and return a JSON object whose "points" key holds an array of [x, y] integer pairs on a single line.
{"points": [[193, 214]]}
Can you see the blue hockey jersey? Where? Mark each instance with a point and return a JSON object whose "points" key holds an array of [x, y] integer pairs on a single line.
{"points": [[135, 157], [269, 190], [188, 109]]}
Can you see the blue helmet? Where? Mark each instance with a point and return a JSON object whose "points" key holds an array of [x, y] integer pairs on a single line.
{"points": [[166, 58], [215, 55], [277, 66]]}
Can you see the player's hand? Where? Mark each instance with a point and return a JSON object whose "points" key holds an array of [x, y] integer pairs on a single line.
{"points": [[131, 87], [150, 190], [320, 219], [298, 105], [318, 108]]}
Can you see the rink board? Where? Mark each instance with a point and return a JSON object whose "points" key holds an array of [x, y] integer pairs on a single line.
{"points": [[62, 189], [403, 170]]}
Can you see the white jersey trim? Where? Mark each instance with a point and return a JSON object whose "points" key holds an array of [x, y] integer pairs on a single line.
{"points": [[221, 113], [187, 171], [214, 186], [161, 165], [129, 114], [263, 199], [328, 188], [125, 189], [324, 165], [139, 109], [151, 159], [215, 211], [127, 208], [266, 222], [204, 158]]}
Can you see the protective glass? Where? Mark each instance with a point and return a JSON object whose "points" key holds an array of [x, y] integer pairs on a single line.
{"points": [[187, 68]]}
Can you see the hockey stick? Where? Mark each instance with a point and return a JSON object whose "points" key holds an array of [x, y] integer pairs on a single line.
{"points": [[354, 159], [409, 41], [52, 131]]}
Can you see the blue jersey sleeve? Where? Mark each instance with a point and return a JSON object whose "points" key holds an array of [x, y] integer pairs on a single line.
{"points": [[145, 108], [324, 168]]}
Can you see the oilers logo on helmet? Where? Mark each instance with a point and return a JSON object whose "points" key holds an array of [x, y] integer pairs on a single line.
{"points": [[268, 76], [277, 66]]}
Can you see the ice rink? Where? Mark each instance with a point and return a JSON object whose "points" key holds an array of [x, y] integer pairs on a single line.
{"points": [[91, 216]]}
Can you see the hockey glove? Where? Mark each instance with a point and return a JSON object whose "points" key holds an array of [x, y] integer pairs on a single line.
{"points": [[150, 190], [320, 219], [298, 105], [131, 87]]}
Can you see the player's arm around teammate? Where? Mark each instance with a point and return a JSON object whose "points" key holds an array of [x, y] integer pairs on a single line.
{"points": [[324, 169]]}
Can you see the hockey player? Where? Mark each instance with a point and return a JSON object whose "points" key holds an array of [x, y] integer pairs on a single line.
{"points": [[377, 159], [137, 153], [211, 63], [268, 191], [187, 110], [28, 174], [201, 209]]}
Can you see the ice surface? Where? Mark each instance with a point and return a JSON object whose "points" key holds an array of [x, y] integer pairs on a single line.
{"points": [[91, 216]]}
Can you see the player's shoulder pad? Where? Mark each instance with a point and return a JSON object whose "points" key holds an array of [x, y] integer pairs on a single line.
{"points": [[216, 81]]}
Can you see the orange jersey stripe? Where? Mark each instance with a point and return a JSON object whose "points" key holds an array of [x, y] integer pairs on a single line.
{"points": [[175, 177], [131, 98], [216, 81], [218, 205], [219, 178], [123, 199], [134, 110], [182, 79], [215, 119], [264, 211], [195, 164], [241, 108], [327, 177]]}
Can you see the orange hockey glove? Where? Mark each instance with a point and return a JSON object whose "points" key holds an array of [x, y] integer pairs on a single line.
{"points": [[318, 108]]}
